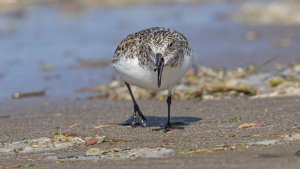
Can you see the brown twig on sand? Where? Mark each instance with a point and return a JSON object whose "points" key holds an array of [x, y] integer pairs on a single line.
{"points": [[19, 95]]}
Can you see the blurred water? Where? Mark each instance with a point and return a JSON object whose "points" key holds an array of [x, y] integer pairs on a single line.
{"points": [[43, 35]]}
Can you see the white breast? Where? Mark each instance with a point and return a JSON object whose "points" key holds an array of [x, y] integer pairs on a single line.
{"points": [[130, 71]]}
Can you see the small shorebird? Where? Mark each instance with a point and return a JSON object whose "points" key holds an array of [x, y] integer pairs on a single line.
{"points": [[155, 59]]}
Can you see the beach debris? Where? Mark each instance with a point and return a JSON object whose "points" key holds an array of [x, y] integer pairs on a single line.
{"points": [[93, 152], [102, 126], [8, 166], [265, 142], [138, 153], [94, 140], [72, 158], [275, 81], [20, 95], [57, 142], [74, 125], [292, 137], [90, 141], [207, 150], [247, 125], [117, 154], [38, 145], [114, 141], [209, 83]]}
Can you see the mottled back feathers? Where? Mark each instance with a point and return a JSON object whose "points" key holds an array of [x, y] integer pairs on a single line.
{"points": [[146, 43]]}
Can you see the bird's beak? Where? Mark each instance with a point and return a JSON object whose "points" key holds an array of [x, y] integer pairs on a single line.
{"points": [[159, 67]]}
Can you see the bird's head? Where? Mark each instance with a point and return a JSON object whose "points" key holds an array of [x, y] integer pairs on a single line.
{"points": [[167, 52]]}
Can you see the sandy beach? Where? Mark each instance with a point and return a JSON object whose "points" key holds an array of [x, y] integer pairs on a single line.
{"points": [[207, 125]]}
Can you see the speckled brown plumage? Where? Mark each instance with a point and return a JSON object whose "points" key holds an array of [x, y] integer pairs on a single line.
{"points": [[144, 44]]}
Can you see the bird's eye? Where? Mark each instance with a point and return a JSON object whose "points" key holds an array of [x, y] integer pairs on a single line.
{"points": [[171, 44]]}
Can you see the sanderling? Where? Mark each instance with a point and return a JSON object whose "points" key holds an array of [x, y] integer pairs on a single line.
{"points": [[155, 59]]}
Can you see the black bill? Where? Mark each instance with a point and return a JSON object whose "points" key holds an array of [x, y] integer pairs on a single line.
{"points": [[159, 67]]}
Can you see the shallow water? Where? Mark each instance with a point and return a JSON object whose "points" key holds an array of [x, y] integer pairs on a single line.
{"points": [[40, 46]]}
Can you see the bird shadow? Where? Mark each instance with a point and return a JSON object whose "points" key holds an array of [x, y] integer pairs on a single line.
{"points": [[178, 122]]}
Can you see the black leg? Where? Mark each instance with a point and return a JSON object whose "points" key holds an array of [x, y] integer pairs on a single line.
{"points": [[136, 109], [169, 101]]}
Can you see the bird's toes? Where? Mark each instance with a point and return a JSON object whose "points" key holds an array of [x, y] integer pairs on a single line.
{"points": [[133, 124], [168, 125], [144, 123]]}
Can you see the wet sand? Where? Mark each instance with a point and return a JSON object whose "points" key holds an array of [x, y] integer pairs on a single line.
{"points": [[208, 126]]}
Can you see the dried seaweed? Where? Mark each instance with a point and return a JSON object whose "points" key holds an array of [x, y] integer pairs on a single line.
{"points": [[209, 83]]}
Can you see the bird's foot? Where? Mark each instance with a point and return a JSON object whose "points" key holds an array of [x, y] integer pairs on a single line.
{"points": [[135, 124], [168, 127], [144, 122], [138, 112]]}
